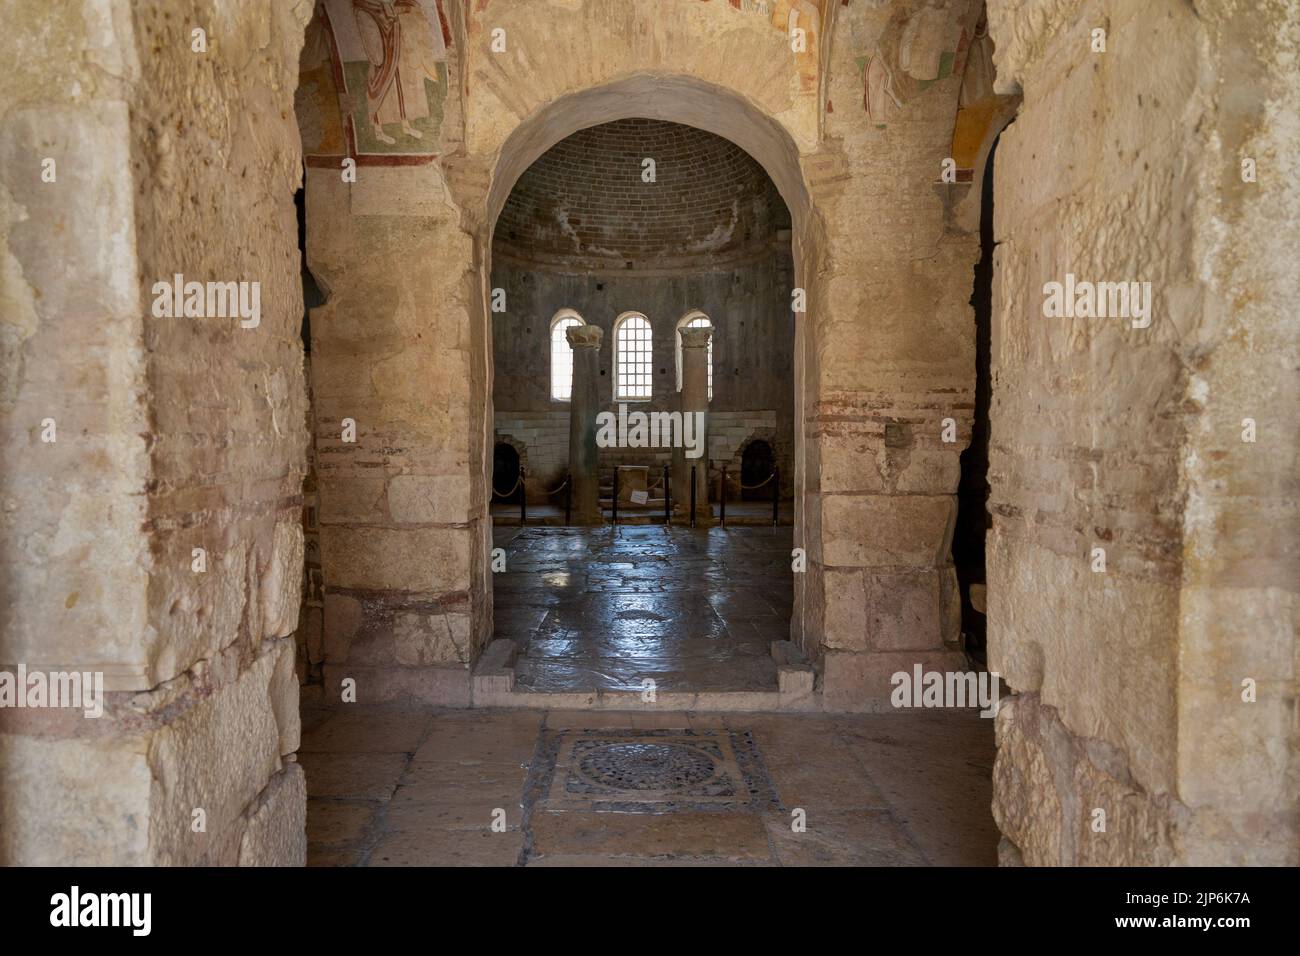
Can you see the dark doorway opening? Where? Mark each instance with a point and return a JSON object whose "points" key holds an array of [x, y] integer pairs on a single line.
{"points": [[973, 520], [312, 296], [756, 466], [506, 486]]}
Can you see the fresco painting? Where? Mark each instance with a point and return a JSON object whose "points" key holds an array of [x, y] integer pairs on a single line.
{"points": [[786, 16], [383, 64], [913, 53]]}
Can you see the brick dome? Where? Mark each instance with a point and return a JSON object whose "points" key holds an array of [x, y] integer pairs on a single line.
{"points": [[585, 200]]}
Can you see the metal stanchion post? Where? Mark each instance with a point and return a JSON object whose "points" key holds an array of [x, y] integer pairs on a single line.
{"points": [[668, 499], [776, 494], [722, 499], [692, 496]]}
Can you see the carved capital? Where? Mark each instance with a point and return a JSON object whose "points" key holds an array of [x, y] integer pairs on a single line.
{"points": [[697, 338], [584, 336]]}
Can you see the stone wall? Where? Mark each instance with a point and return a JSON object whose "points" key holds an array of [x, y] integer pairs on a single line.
{"points": [[891, 356], [542, 438], [172, 434], [1128, 439], [402, 515], [753, 351], [749, 306]]}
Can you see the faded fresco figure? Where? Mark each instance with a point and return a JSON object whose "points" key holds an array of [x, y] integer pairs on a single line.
{"points": [[910, 55], [403, 42], [926, 37], [879, 98], [977, 79]]}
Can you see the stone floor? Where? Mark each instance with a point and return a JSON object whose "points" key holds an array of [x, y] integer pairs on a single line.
{"points": [[739, 513], [608, 608], [394, 787]]}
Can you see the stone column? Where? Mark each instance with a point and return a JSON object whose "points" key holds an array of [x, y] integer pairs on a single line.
{"points": [[694, 397], [584, 403]]}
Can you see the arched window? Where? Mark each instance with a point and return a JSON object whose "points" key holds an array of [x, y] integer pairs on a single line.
{"points": [[562, 355], [633, 358], [694, 320]]}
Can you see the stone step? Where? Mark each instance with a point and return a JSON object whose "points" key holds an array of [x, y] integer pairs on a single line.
{"points": [[795, 677], [495, 672]]}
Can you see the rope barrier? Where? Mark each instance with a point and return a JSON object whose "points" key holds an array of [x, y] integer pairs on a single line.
{"points": [[507, 494], [760, 484], [559, 489]]}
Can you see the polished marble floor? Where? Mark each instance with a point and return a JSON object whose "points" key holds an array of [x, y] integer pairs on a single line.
{"points": [[406, 787], [610, 608]]}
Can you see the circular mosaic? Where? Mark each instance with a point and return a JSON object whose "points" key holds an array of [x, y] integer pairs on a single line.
{"points": [[646, 766]]}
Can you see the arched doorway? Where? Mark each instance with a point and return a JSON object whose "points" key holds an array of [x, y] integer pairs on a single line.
{"points": [[684, 294]]}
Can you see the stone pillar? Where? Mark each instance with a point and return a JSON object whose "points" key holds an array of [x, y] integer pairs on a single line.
{"points": [[694, 397], [584, 403]]}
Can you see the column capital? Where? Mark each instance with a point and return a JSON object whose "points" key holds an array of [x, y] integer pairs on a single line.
{"points": [[584, 336], [696, 338]]}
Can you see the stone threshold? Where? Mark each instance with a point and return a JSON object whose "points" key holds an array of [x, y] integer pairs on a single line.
{"points": [[493, 685]]}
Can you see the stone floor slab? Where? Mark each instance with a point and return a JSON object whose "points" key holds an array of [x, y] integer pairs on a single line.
{"points": [[365, 776], [901, 789], [435, 846], [693, 610], [731, 837]]}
